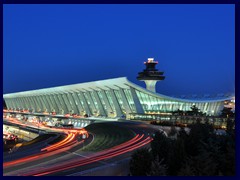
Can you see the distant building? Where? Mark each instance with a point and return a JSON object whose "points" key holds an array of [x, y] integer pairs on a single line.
{"points": [[111, 98]]}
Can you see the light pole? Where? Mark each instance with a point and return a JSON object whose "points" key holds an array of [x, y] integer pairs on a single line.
{"points": [[83, 137], [38, 126]]}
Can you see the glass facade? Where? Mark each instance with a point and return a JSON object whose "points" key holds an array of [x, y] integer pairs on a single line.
{"points": [[120, 98]]}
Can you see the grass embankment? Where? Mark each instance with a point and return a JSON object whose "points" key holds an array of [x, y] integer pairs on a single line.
{"points": [[107, 135]]}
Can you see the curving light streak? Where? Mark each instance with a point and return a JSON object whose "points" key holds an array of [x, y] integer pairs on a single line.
{"points": [[62, 146], [108, 154], [70, 141], [59, 147]]}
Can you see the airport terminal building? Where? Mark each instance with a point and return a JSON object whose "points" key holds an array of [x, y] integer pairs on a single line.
{"points": [[111, 98]]}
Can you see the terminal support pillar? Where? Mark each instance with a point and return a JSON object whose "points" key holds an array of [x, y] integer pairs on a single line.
{"points": [[79, 104], [100, 106], [116, 104], [137, 103], [125, 101], [85, 104], [75, 107], [105, 99]]}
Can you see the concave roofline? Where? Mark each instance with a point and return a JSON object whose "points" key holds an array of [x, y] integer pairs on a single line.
{"points": [[122, 82]]}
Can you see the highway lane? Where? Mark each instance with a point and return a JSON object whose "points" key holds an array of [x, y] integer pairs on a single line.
{"points": [[46, 159], [137, 127], [75, 160]]}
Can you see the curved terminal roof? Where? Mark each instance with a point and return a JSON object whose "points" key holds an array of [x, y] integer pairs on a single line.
{"points": [[107, 84]]}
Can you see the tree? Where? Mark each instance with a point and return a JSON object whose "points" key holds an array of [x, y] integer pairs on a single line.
{"points": [[158, 168], [160, 146], [227, 112], [176, 157], [182, 134], [140, 164], [178, 112], [173, 131], [226, 155], [230, 127], [200, 165], [195, 110], [199, 133]]}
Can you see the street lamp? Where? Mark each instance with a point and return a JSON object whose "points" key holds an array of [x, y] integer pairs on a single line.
{"points": [[38, 126], [83, 137]]}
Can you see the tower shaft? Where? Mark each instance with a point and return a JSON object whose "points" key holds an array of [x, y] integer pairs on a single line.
{"points": [[151, 85], [150, 75]]}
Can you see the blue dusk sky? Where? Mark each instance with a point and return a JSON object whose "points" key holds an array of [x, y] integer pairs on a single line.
{"points": [[53, 45]]}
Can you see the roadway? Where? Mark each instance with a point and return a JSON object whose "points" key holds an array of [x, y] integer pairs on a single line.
{"points": [[69, 160]]}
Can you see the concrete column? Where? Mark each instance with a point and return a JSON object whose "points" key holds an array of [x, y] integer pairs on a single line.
{"points": [[13, 103], [99, 103], [55, 107], [13, 100], [50, 105], [79, 106], [7, 102], [47, 105], [107, 103], [20, 103], [63, 105], [39, 104], [125, 101], [28, 102], [31, 103], [24, 102], [40, 97], [92, 104], [44, 103], [71, 102], [139, 108], [74, 103], [34, 103], [118, 109], [56, 103], [85, 104], [65, 99]]}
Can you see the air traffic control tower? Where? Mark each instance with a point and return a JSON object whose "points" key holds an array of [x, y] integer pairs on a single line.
{"points": [[150, 75]]}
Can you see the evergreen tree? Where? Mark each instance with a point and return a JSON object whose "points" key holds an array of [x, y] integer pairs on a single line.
{"points": [[173, 131], [230, 127], [198, 133], [195, 110], [140, 164], [158, 168], [200, 165], [227, 112], [160, 146], [176, 157], [182, 134], [186, 170]]}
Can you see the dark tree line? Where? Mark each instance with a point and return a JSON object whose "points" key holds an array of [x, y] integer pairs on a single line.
{"points": [[198, 153], [195, 111]]}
